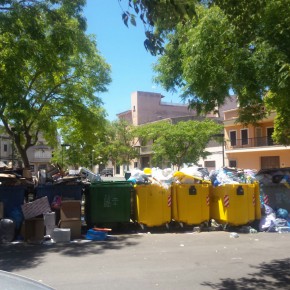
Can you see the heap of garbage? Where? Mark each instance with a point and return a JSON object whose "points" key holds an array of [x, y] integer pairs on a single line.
{"points": [[193, 175], [227, 175], [55, 175], [152, 176], [274, 221], [274, 176]]}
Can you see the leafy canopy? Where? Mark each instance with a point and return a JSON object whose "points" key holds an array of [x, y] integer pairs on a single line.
{"points": [[183, 142], [213, 46], [50, 71]]}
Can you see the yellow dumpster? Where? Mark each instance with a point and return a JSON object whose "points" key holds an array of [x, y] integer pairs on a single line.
{"points": [[190, 203], [153, 205], [233, 204], [258, 213]]}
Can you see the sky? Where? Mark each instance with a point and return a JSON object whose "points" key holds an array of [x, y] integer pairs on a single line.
{"points": [[124, 50]]}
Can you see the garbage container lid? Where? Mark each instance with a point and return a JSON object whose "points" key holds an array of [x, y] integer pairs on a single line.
{"points": [[147, 171]]}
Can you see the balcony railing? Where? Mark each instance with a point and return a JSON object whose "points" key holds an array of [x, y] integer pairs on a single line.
{"points": [[249, 142], [146, 149]]}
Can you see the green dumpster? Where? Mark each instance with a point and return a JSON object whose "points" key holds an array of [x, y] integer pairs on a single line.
{"points": [[108, 203]]}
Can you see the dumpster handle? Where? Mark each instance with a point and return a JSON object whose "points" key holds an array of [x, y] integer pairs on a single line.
{"points": [[192, 190], [240, 190]]}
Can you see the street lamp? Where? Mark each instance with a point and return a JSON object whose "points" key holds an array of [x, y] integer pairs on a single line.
{"points": [[63, 145]]}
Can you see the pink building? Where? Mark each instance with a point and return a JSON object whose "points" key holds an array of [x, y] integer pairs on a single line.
{"points": [[148, 107]]}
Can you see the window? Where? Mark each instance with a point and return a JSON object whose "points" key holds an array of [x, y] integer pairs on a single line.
{"points": [[270, 131], [244, 136], [5, 148], [233, 138], [208, 164], [259, 138], [233, 163], [270, 162]]}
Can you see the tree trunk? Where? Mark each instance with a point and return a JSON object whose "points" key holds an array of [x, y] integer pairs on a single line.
{"points": [[23, 154]]}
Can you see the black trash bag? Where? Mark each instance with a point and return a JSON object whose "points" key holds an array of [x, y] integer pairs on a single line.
{"points": [[7, 231]]}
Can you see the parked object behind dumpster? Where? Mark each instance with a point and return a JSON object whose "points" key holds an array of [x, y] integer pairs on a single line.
{"points": [[89, 175]]}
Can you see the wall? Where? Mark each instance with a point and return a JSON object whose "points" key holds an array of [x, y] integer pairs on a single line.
{"points": [[147, 107], [251, 160]]}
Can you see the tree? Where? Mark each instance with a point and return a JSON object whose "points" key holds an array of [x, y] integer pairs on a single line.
{"points": [[158, 15], [225, 44], [120, 147], [50, 70], [85, 136], [180, 143]]}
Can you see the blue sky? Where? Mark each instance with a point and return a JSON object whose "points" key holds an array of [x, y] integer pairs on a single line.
{"points": [[124, 50]]}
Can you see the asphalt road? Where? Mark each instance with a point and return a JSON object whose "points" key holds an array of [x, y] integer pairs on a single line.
{"points": [[157, 260]]}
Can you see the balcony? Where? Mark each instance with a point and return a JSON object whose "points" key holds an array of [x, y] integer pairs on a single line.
{"points": [[146, 150], [249, 143]]}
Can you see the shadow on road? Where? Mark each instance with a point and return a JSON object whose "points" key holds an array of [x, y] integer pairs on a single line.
{"points": [[23, 255], [270, 276]]}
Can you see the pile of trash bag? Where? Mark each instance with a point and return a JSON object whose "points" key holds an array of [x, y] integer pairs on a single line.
{"points": [[162, 177], [274, 221], [228, 175], [274, 176]]}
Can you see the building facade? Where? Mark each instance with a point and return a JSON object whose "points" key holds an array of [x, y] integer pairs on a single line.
{"points": [[252, 146], [39, 156], [147, 107]]}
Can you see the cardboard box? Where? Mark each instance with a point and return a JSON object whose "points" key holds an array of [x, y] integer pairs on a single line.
{"points": [[33, 229], [36, 207], [75, 227], [70, 210], [1, 210]]}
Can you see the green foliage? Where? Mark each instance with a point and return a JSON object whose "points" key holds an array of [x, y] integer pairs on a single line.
{"points": [[50, 70], [120, 147], [160, 14], [180, 143], [239, 45]]}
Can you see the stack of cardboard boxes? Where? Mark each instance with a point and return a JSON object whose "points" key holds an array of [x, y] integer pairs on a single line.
{"points": [[33, 229], [70, 217]]}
